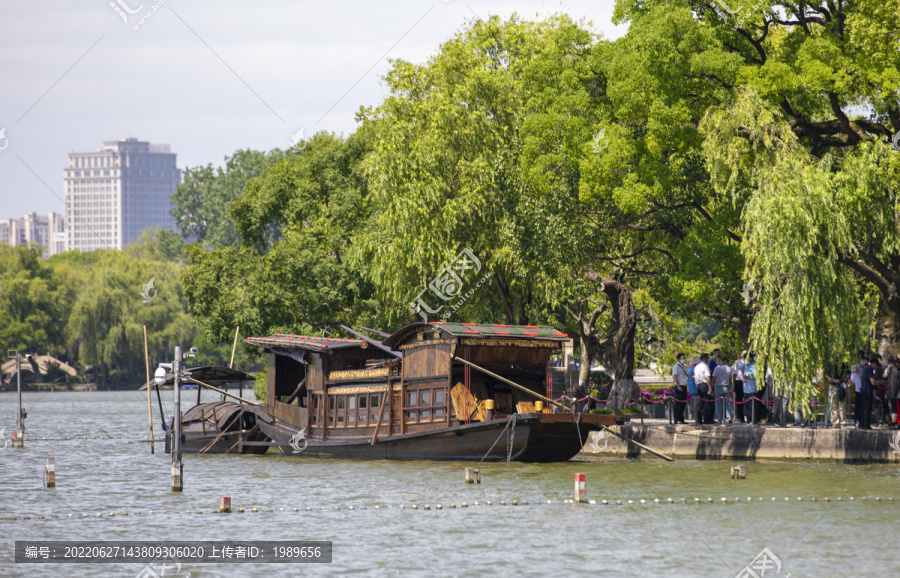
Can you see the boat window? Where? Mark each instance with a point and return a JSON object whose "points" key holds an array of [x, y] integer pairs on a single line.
{"points": [[362, 401], [351, 419], [439, 412], [411, 399], [425, 414], [438, 396], [330, 403], [351, 402], [340, 402], [374, 401], [426, 397]]}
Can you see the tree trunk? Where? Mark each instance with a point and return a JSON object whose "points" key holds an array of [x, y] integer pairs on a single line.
{"points": [[888, 327], [624, 324]]}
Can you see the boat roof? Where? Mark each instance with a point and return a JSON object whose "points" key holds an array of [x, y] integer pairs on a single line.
{"points": [[306, 342], [215, 375], [493, 330]]}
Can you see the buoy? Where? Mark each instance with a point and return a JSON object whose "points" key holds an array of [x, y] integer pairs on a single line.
{"points": [[604, 502], [514, 503], [723, 500], [415, 506], [643, 501], [427, 507], [254, 509], [464, 505], [225, 505], [592, 502], [655, 500], [669, 500], [439, 507]]}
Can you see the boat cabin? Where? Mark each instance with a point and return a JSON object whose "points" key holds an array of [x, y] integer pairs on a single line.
{"points": [[411, 382]]}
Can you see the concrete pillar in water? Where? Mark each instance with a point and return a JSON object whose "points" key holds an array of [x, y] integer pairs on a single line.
{"points": [[473, 476], [225, 505], [50, 473], [580, 490], [177, 476]]}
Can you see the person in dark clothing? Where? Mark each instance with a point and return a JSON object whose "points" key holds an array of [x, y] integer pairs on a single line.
{"points": [[871, 377]]}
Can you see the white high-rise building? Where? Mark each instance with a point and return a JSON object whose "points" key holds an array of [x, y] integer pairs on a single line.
{"points": [[117, 192], [48, 232]]}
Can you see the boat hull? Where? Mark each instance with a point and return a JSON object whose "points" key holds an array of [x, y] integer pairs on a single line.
{"points": [[536, 438], [229, 443]]}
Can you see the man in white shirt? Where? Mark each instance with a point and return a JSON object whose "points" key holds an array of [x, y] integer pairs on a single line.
{"points": [[721, 377], [704, 391], [679, 380], [738, 373]]}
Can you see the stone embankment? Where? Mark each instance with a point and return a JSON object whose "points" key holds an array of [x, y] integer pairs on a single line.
{"points": [[749, 442]]}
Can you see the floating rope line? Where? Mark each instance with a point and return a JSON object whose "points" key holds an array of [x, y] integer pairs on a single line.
{"points": [[646, 502]]}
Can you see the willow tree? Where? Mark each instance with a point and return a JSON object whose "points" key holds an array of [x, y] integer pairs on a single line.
{"points": [[800, 219]]}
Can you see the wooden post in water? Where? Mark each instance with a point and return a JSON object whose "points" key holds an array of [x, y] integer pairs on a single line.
{"points": [[580, 489], [177, 467], [149, 403], [50, 473]]}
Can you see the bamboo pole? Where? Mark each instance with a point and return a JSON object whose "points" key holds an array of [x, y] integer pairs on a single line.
{"points": [[548, 400], [234, 347], [149, 402]]}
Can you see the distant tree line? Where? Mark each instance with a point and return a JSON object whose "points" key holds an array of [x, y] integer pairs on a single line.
{"points": [[87, 309]]}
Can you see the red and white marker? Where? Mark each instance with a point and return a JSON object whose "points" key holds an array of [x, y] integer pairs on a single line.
{"points": [[580, 491]]}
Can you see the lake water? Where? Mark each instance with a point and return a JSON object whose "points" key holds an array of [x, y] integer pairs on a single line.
{"points": [[115, 475]]}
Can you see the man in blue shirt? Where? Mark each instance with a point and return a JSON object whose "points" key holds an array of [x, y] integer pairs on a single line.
{"points": [[750, 388]]}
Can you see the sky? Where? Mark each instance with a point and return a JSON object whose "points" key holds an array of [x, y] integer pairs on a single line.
{"points": [[207, 77]]}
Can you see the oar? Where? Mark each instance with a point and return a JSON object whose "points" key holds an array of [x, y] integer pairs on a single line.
{"points": [[548, 400]]}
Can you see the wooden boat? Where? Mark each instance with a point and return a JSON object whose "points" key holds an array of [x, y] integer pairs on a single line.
{"points": [[220, 427], [424, 392]]}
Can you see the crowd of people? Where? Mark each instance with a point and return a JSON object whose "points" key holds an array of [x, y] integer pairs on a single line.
{"points": [[713, 391]]}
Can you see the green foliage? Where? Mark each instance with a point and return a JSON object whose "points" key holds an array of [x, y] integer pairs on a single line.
{"points": [[201, 203], [291, 272]]}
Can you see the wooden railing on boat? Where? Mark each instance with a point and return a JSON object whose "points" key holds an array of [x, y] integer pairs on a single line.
{"points": [[292, 414]]}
